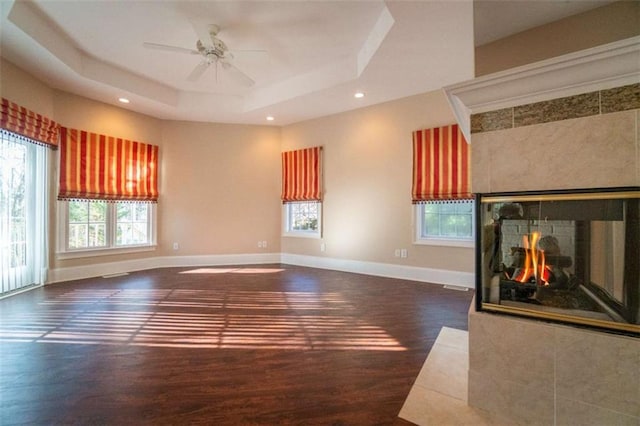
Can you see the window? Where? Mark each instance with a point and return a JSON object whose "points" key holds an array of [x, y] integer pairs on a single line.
{"points": [[107, 190], [445, 222], [441, 189], [302, 192], [302, 218], [90, 226], [132, 223], [87, 224], [23, 212]]}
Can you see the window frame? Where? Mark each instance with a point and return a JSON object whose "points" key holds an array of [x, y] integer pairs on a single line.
{"points": [[286, 222], [64, 252], [420, 239], [131, 223]]}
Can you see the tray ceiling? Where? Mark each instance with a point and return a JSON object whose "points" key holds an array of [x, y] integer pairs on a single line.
{"points": [[307, 59]]}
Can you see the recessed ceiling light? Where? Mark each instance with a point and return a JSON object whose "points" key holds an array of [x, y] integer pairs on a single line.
{"points": [[358, 95], [270, 118], [124, 100]]}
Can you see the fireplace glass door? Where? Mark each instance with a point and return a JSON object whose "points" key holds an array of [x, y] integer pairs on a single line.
{"points": [[571, 256]]}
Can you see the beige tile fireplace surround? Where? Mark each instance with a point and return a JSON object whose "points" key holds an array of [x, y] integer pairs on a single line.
{"points": [[586, 136], [598, 150], [577, 376]]}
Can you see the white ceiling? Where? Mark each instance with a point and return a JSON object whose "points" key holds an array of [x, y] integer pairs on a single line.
{"points": [[307, 58]]}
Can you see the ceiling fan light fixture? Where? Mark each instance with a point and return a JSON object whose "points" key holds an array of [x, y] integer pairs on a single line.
{"points": [[212, 50]]}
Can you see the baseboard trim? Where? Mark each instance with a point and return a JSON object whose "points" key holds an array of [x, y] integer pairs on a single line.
{"points": [[413, 273], [218, 260], [99, 269], [111, 268]]}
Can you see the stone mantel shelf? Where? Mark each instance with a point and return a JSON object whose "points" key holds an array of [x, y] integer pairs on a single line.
{"points": [[603, 67]]}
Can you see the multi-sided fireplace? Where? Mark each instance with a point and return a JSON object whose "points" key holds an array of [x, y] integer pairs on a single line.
{"points": [[571, 256]]}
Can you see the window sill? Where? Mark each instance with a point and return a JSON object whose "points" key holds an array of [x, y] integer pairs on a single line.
{"points": [[444, 242], [78, 254], [312, 235]]}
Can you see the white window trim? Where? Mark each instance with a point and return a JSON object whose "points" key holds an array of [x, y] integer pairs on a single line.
{"points": [[418, 239], [445, 242], [78, 254], [301, 234], [63, 252]]}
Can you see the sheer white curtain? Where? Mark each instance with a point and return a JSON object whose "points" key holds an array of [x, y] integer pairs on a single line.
{"points": [[40, 236], [23, 212]]}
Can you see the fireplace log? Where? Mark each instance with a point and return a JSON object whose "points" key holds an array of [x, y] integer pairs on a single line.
{"points": [[560, 261]]}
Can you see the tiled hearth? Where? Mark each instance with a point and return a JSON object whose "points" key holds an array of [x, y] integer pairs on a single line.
{"points": [[439, 394], [556, 384]]}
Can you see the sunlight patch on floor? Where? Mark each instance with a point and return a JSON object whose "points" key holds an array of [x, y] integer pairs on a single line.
{"points": [[224, 319], [439, 394]]}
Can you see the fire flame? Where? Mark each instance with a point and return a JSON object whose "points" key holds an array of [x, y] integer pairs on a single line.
{"points": [[534, 262]]}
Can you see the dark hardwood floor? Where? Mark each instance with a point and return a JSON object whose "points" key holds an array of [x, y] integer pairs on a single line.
{"points": [[262, 345]]}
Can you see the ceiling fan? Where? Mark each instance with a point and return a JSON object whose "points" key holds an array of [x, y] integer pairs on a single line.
{"points": [[213, 50]]}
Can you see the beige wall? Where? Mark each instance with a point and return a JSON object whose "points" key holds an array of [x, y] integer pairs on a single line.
{"points": [[367, 211], [85, 114], [22, 88], [220, 183], [220, 188], [599, 26]]}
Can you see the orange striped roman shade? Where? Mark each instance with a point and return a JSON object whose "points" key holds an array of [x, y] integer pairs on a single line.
{"points": [[99, 167], [301, 175], [441, 165], [24, 122]]}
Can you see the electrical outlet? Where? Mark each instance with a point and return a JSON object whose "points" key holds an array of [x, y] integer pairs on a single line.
{"points": [[176, 246], [264, 244], [397, 253], [259, 244], [323, 247], [403, 253]]}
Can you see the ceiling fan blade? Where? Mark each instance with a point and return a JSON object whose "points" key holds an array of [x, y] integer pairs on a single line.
{"points": [[198, 71], [203, 31], [242, 51], [238, 74], [170, 48]]}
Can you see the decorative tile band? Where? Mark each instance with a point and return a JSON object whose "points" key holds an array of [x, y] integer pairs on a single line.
{"points": [[557, 109], [493, 120], [620, 98], [583, 105]]}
